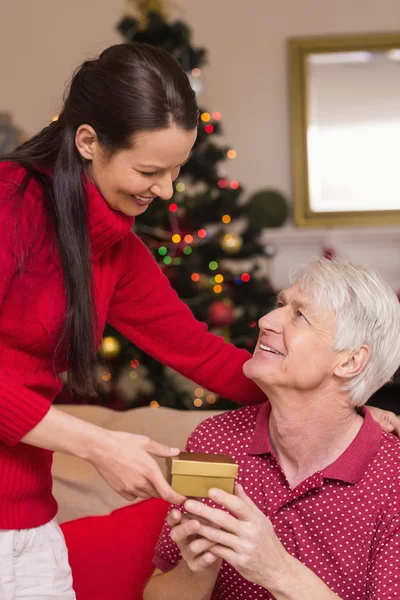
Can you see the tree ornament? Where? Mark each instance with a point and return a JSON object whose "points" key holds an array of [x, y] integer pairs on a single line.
{"points": [[196, 84], [144, 8], [231, 243], [158, 7], [269, 250], [267, 209], [328, 253], [220, 314], [204, 282], [110, 347]]}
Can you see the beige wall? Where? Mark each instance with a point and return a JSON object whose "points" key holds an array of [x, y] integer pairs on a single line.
{"points": [[41, 42]]}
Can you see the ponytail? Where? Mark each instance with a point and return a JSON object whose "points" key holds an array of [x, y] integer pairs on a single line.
{"points": [[70, 217], [65, 200]]}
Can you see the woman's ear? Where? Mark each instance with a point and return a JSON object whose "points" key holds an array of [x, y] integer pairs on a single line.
{"points": [[86, 141], [352, 363]]}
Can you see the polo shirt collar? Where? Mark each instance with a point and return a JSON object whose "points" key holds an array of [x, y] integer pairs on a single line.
{"points": [[351, 464]]}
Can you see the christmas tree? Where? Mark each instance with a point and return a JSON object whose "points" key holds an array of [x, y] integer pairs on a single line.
{"points": [[201, 238]]}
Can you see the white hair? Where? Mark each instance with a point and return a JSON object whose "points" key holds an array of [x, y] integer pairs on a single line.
{"points": [[367, 311]]}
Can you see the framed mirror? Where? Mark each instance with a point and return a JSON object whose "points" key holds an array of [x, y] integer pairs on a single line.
{"points": [[345, 121]]}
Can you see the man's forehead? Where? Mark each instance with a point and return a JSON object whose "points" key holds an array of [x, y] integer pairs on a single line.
{"points": [[296, 294]]}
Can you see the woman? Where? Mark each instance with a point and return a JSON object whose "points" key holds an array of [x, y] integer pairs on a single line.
{"points": [[68, 264]]}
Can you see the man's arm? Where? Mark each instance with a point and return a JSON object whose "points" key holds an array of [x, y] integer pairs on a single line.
{"points": [[298, 582], [179, 583], [195, 576], [384, 567]]}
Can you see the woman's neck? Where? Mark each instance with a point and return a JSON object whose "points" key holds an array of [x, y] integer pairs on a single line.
{"points": [[309, 433]]}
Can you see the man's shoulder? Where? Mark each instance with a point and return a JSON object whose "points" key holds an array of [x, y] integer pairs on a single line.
{"points": [[389, 452], [384, 468], [221, 432]]}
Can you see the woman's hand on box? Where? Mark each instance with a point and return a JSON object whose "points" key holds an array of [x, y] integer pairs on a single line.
{"points": [[125, 461]]}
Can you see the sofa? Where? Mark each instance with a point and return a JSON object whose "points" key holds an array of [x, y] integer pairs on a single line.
{"points": [[110, 540]]}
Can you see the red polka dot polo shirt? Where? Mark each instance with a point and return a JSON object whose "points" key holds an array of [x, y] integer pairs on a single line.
{"points": [[342, 522]]}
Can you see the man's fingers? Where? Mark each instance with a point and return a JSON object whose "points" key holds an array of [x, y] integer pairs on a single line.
{"points": [[218, 537], [200, 545], [208, 559], [182, 532], [174, 517], [214, 515], [240, 493], [235, 504]]}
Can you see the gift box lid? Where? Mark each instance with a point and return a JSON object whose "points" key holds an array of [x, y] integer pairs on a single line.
{"points": [[203, 465]]}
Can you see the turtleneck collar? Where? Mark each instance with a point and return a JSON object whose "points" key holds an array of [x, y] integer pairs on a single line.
{"points": [[106, 226]]}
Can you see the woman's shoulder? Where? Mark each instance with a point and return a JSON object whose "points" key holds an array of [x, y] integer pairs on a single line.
{"points": [[14, 178], [12, 173]]}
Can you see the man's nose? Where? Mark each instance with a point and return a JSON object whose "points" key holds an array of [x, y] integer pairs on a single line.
{"points": [[272, 321]]}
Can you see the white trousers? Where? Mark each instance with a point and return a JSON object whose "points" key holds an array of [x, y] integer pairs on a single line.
{"points": [[34, 564]]}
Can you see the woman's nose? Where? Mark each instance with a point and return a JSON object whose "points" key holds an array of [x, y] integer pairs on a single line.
{"points": [[164, 188]]}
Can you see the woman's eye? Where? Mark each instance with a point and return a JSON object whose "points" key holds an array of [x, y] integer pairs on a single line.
{"points": [[300, 314], [148, 174], [279, 305]]}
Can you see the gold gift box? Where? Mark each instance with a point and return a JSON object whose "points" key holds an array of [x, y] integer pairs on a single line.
{"points": [[192, 474]]}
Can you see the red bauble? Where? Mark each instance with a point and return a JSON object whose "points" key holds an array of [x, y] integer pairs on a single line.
{"points": [[329, 253], [220, 314]]}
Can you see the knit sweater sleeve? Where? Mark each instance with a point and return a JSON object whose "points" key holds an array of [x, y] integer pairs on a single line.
{"points": [[147, 311], [20, 408]]}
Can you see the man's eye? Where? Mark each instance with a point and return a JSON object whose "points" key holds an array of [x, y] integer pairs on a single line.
{"points": [[279, 305], [148, 174], [300, 314]]}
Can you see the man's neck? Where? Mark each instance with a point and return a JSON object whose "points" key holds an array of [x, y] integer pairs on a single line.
{"points": [[307, 437]]}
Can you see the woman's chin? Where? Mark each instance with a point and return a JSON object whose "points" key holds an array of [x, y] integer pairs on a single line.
{"points": [[132, 209]]}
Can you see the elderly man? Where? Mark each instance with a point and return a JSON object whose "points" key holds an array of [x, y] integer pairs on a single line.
{"points": [[316, 511]]}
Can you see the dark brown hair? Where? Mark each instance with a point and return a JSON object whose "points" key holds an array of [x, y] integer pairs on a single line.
{"points": [[130, 88]]}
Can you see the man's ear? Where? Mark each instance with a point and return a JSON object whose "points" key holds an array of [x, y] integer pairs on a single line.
{"points": [[86, 141], [351, 364]]}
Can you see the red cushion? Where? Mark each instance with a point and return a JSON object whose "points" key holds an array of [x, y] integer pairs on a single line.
{"points": [[111, 556]]}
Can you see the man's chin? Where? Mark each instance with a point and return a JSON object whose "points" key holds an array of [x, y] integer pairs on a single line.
{"points": [[255, 371], [248, 369]]}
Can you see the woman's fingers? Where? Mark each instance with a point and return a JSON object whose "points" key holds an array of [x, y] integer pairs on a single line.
{"points": [[129, 468], [164, 490], [159, 449]]}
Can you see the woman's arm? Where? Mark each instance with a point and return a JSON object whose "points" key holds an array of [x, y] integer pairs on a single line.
{"points": [[123, 459], [20, 408], [148, 311]]}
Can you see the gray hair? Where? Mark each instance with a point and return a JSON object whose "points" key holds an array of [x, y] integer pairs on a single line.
{"points": [[367, 311]]}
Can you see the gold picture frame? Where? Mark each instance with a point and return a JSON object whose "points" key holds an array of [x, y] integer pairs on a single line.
{"points": [[300, 50]]}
